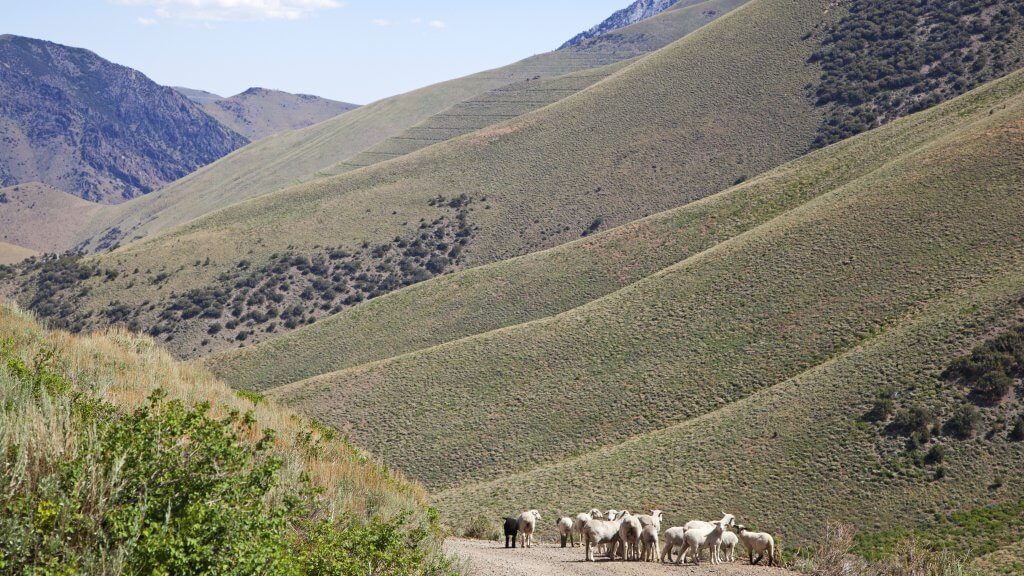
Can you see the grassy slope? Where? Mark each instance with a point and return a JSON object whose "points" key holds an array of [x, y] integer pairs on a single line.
{"points": [[516, 99], [696, 117], [10, 253], [552, 281], [258, 112], [793, 455], [42, 218], [740, 317], [286, 159], [125, 369]]}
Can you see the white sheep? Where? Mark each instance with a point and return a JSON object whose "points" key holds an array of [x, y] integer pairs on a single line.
{"points": [[698, 524], [702, 537], [597, 532], [728, 545], [673, 538], [629, 537], [565, 530], [649, 543], [527, 526], [759, 543], [581, 519]]}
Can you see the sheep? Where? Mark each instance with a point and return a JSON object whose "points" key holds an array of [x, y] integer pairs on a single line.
{"points": [[629, 537], [673, 538], [597, 532], [703, 537], [581, 519], [528, 525], [699, 524], [759, 543], [511, 531], [649, 543], [728, 545], [613, 514], [565, 530]]}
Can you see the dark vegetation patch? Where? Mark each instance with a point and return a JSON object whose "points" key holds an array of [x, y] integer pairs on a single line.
{"points": [[884, 59], [991, 371], [979, 397], [248, 302]]}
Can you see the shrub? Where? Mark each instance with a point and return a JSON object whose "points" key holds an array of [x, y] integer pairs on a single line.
{"points": [[481, 528], [1017, 432], [914, 419], [964, 422], [935, 455], [992, 387]]}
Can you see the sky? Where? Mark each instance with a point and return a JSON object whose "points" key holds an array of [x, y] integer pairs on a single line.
{"points": [[351, 50]]}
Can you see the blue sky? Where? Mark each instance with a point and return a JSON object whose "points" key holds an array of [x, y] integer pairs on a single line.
{"points": [[352, 50]]}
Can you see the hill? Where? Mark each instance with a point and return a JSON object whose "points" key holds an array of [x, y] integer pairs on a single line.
{"points": [[822, 277], [258, 112], [301, 156], [549, 282], [121, 460], [525, 189], [43, 218], [104, 132]]}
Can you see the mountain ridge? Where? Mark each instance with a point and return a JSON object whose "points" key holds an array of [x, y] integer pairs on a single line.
{"points": [[102, 131]]}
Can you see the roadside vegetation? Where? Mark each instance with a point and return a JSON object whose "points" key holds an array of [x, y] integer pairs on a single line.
{"points": [[118, 460]]}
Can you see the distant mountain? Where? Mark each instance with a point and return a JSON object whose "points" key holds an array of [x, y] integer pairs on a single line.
{"points": [[635, 12], [258, 112], [101, 131]]}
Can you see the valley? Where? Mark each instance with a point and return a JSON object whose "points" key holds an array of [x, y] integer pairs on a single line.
{"points": [[754, 256]]}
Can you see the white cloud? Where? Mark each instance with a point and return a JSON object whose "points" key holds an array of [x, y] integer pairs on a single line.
{"points": [[146, 21], [380, 22], [438, 24], [221, 10]]}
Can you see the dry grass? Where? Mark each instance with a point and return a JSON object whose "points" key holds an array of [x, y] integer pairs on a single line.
{"points": [[11, 254]]}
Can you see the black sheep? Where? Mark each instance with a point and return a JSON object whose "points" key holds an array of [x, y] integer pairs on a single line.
{"points": [[511, 531]]}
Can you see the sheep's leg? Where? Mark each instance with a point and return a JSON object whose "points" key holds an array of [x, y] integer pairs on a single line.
{"points": [[771, 556], [588, 553], [758, 559]]}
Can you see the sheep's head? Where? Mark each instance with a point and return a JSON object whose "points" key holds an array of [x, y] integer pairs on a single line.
{"points": [[727, 519], [594, 513], [612, 513], [740, 528], [657, 515], [536, 514]]}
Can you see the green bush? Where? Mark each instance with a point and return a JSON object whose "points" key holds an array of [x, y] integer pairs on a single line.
{"points": [[481, 528], [964, 422]]}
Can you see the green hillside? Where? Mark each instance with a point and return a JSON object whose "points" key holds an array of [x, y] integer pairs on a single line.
{"points": [[552, 281], [292, 157], [547, 177], [795, 455], [807, 286]]}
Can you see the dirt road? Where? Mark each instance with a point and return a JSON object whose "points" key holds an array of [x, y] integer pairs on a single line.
{"points": [[485, 558]]}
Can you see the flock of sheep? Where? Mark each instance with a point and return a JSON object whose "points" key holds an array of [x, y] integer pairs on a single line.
{"points": [[619, 534]]}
